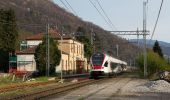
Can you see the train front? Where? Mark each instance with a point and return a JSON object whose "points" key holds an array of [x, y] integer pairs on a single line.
{"points": [[97, 68]]}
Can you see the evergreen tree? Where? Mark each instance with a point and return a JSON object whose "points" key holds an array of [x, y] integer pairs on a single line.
{"points": [[8, 37], [85, 40], [157, 49], [40, 56]]}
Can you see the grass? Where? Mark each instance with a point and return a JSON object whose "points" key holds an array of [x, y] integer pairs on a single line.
{"points": [[42, 78], [6, 80], [21, 91], [30, 89]]}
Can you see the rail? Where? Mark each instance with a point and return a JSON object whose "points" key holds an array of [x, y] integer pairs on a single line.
{"points": [[53, 91]]}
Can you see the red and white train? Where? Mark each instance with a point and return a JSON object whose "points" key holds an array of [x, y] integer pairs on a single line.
{"points": [[103, 64]]}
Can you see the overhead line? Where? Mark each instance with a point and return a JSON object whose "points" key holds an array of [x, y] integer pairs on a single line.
{"points": [[64, 5], [106, 14], [157, 20], [99, 12], [71, 7]]}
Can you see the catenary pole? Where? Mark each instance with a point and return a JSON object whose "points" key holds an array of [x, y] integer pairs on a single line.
{"points": [[144, 37]]}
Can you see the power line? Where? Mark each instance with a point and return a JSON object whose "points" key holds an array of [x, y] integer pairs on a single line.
{"points": [[71, 7], [157, 19], [64, 5], [106, 14], [99, 12]]}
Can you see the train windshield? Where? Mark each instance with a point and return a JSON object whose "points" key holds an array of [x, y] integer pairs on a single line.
{"points": [[97, 59]]}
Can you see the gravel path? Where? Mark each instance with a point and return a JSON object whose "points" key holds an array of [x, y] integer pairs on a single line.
{"points": [[121, 89]]}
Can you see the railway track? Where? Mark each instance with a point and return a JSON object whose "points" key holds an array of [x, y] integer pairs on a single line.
{"points": [[53, 91], [24, 85], [48, 91]]}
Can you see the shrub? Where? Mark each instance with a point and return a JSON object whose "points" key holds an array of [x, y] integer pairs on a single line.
{"points": [[154, 63]]}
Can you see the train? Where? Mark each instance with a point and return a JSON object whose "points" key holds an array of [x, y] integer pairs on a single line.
{"points": [[105, 65]]}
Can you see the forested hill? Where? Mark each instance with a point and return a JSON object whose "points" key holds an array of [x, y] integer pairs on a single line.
{"points": [[33, 15]]}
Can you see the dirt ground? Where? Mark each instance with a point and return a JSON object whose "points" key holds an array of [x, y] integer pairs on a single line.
{"points": [[116, 89]]}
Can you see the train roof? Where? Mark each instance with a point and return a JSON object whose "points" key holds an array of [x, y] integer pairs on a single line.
{"points": [[112, 58], [116, 60]]}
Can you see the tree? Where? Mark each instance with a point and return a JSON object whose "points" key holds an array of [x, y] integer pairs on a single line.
{"points": [[154, 63], [157, 49], [88, 49], [40, 56], [8, 36]]}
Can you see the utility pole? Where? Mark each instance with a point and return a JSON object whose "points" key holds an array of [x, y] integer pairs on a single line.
{"points": [[117, 50], [47, 51], [137, 33], [74, 68], [92, 40], [61, 35], [138, 37], [92, 36], [144, 32], [144, 37], [9, 63]]}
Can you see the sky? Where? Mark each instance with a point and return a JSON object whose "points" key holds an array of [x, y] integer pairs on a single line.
{"points": [[126, 15]]}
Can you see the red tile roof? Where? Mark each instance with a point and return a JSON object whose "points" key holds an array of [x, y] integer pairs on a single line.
{"points": [[53, 33], [38, 36], [30, 50]]}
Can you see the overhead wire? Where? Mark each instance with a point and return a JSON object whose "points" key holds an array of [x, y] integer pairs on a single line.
{"points": [[157, 20], [71, 7], [64, 5], [100, 13], [106, 14]]}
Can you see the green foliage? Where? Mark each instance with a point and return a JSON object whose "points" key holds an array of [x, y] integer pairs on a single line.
{"points": [[154, 63], [88, 49], [40, 56], [7, 80], [157, 49], [8, 33], [43, 78], [8, 36]]}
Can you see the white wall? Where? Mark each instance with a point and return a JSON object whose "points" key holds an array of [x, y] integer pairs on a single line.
{"points": [[26, 62], [31, 43], [62, 64]]}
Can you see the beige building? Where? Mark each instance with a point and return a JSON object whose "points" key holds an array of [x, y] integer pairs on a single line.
{"points": [[72, 60]]}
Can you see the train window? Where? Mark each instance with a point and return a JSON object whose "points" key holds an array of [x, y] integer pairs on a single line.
{"points": [[113, 65], [97, 59], [106, 64]]}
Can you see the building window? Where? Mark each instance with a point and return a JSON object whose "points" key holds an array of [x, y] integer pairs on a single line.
{"points": [[70, 65], [77, 49], [74, 48], [71, 47], [80, 49], [66, 65]]}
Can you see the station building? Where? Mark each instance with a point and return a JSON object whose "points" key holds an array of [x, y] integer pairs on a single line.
{"points": [[72, 59]]}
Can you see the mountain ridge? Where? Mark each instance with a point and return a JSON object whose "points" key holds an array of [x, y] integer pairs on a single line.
{"points": [[164, 45], [33, 15]]}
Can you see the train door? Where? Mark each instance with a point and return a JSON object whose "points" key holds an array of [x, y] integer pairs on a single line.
{"points": [[106, 67]]}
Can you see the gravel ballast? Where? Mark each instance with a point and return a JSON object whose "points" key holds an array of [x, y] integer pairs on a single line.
{"points": [[152, 86]]}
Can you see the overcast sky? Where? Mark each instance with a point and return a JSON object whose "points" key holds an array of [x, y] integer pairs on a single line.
{"points": [[125, 15]]}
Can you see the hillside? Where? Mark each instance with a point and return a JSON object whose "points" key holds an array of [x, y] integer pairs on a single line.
{"points": [[33, 15], [164, 45]]}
